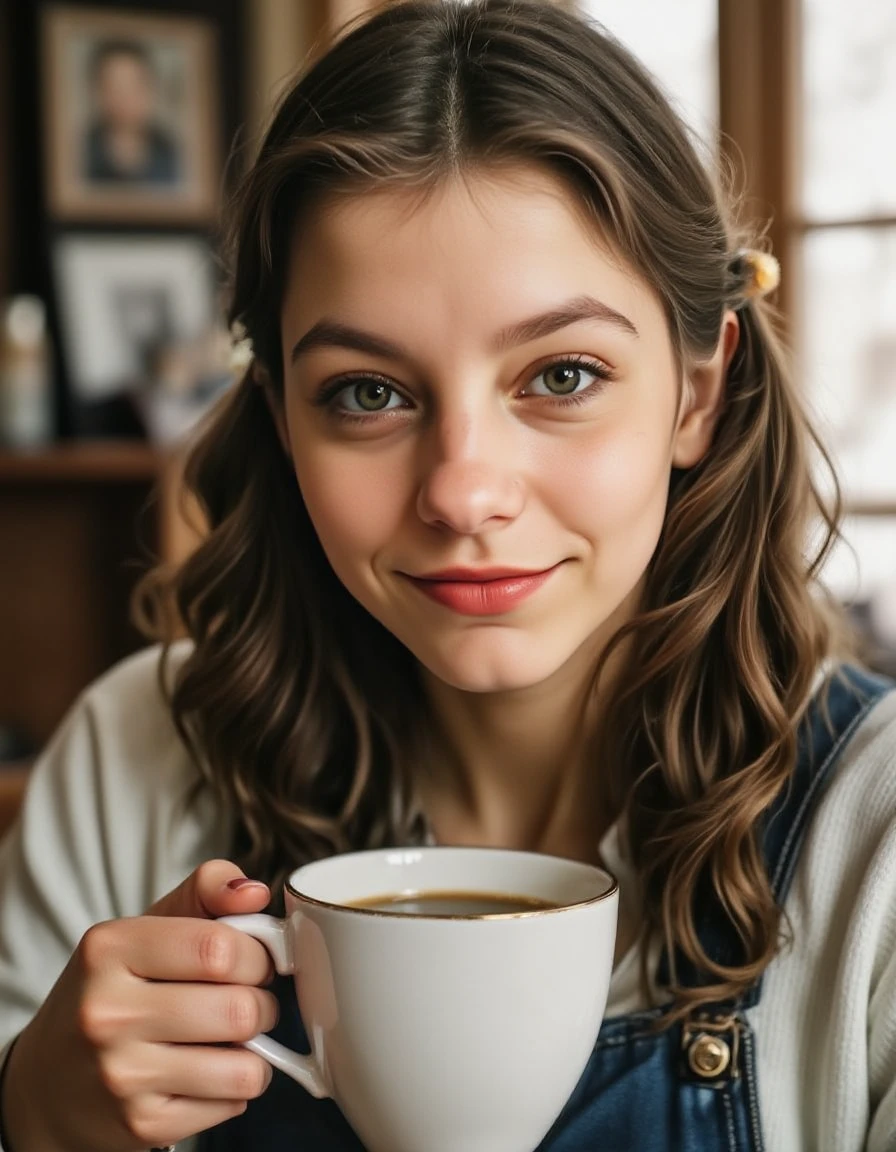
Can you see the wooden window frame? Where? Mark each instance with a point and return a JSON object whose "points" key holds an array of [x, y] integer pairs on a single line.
{"points": [[759, 118]]}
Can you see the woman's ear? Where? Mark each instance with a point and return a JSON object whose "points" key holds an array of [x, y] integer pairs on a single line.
{"points": [[703, 398]]}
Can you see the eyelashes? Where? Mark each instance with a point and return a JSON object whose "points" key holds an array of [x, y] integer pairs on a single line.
{"points": [[367, 398]]}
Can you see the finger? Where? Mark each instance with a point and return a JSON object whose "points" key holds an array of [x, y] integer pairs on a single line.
{"points": [[197, 1072], [215, 888], [177, 949], [205, 1013]]}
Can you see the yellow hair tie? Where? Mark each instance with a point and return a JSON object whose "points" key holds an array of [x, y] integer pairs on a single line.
{"points": [[761, 272]]}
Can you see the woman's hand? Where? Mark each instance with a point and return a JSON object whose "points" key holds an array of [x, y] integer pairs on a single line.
{"points": [[129, 1050]]}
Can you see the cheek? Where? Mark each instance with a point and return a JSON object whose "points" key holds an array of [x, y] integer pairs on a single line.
{"points": [[615, 482], [354, 505], [621, 509]]}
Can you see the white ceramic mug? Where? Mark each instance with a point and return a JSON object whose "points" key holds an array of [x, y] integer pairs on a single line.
{"points": [[435, 1033]]}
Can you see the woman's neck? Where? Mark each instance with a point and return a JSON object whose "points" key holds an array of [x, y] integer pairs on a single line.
{"points": [[513, 769]]}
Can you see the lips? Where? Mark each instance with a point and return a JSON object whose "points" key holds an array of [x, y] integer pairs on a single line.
{"points": [[481, 591]]}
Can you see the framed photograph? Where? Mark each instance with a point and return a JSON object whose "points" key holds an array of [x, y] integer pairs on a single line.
{"points": [[131, 118], [133, 311]]}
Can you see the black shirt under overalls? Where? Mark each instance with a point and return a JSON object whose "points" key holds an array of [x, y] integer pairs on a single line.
{"points": [[689, 1088]]}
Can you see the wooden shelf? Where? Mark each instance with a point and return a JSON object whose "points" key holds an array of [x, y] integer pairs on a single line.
{"points": [[80, 522], [97, 461], [13, 782]]}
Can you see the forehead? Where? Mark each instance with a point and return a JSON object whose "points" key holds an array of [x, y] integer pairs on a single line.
{"points": [[483, 247]]}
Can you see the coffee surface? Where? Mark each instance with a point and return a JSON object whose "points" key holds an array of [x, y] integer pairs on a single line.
{"points": [[438, 903]]}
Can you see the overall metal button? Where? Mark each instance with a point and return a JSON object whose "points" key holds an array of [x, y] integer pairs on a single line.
{"points": [[709, 1056]]}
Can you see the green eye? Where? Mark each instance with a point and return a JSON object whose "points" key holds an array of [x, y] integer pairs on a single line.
{"points": [[569, 378], [561, 379], [371, 395], [364, 396]]}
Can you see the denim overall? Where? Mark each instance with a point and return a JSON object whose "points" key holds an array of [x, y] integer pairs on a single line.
{"points": [[688, 1088]]}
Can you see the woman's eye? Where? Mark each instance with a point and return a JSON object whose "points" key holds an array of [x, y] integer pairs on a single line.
{"points": [[369, 395], [566, 378]]}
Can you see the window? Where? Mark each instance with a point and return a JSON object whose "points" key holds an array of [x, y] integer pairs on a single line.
{"points": [[843, 226]]}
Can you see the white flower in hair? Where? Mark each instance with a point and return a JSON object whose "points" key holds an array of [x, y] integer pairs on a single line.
{"points": [[241, 353]]}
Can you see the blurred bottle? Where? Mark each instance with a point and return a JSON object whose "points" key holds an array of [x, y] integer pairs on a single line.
{"points": [[26, 386]]}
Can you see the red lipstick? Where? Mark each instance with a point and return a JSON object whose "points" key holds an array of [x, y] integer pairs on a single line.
{"points": [[481, 591]]}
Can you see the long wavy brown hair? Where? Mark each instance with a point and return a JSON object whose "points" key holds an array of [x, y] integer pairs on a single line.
{"points": [[304, 712]]}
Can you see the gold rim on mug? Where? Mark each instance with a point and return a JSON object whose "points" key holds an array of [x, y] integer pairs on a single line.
{"points": [[355, 910]]}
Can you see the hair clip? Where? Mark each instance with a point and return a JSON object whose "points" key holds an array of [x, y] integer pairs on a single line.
{"points": [[761, 272]]}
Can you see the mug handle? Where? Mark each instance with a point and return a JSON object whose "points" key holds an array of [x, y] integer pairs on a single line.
{"points": [[274, 935]]}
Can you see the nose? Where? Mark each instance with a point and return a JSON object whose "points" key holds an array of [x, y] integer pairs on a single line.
{"points": [[471, 481]]}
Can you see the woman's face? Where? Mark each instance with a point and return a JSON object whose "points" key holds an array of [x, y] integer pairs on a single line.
{"points": [[124, 91], [483, 407]]}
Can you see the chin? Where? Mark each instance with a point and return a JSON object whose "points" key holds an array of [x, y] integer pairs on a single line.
{"points": [[486, 685], [485, 672]]}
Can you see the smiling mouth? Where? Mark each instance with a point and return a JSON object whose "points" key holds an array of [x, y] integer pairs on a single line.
{"points": [[481, 592]]}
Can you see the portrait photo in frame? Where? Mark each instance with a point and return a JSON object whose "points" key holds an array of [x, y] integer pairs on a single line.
{"points": [[140, 317], [131, 117]]}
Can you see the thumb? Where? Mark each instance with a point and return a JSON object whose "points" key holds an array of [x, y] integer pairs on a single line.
{"points": [[216, 888]]}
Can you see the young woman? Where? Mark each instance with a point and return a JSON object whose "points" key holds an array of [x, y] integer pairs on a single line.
{"points": [[508, 544]]}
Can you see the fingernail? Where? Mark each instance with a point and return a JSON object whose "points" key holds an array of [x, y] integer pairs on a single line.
{"points": [[242, 882]]}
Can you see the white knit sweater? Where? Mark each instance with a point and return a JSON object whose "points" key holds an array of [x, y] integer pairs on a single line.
{"points": [[107, 830]]}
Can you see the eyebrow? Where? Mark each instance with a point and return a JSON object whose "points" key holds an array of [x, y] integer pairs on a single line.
{"points": [[579, 308], [330, 334]]}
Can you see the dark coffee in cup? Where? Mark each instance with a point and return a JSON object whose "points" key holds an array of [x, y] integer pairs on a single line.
{"points": [[451, 903]]}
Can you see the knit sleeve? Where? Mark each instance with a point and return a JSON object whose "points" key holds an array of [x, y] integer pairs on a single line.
{"points": [[882, 1013], [111, 822], [107, 827], [54, 877]]}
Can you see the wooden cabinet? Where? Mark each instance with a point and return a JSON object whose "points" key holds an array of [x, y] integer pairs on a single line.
{"points": [[79, 524]]}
